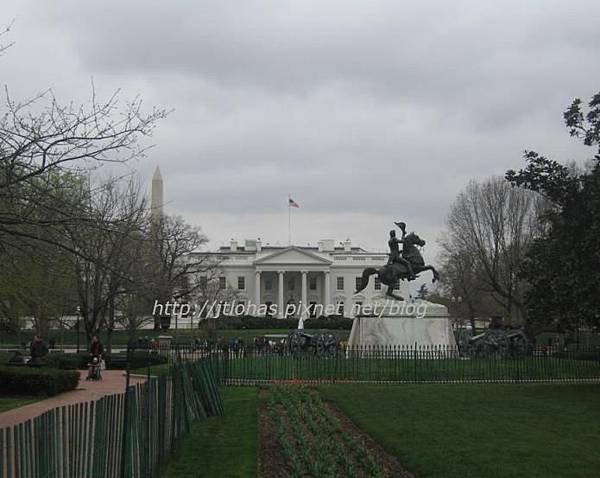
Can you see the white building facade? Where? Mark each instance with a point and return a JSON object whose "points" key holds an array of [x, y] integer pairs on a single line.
{"points": [[299, 281]]}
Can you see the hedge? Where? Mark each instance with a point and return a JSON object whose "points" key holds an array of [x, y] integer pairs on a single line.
{"points": [[137, 360], [249, 322], [593, 355], [36, 381], [67, 361]]}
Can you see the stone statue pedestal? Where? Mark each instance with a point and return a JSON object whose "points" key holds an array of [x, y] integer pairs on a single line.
{"points": [[410, 324]]}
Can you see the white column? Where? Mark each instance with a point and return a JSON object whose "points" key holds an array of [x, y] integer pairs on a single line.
{"points": [[257, 288], [327, 298], [303, 314], [281, 312]]}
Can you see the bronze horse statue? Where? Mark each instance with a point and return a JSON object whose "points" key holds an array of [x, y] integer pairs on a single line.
{"points": [[391, 273]]}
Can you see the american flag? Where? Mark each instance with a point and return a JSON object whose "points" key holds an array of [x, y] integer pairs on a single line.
{"points": [[292, 203]]}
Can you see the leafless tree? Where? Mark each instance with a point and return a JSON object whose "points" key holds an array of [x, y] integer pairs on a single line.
{"points": [[105, 256], [461, 279], [48, 151], [210, 294], [5, 46], [175, 271], [490, 226], [40, 139], [39, 135]]}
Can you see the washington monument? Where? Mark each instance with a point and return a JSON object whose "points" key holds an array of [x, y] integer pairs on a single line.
{"points": [[156, 198]]}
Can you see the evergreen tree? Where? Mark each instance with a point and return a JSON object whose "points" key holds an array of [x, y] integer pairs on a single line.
{"points": [[563, 264]]}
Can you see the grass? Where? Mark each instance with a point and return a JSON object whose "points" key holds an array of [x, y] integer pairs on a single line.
{"points": [[221, 446], [157, 370], [8, 403], [447, 431], [310, 367]]}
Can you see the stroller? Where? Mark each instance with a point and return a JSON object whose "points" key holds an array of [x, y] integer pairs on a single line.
{"points": [[94, 368]]}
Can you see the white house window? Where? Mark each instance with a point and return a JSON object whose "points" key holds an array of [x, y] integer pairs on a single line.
{"points": [[291, 284], [358, 282], [222, 283], [377, 283], [340, 283], [241, 283], [312, 283], [268, 284], [340, 308]]}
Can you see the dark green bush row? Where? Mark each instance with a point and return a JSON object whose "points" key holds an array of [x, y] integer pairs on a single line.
{"points": [[67, 361], [116, 361], [4, 356], [36, 381], [137, 360], [580, 355], [249, 322]]}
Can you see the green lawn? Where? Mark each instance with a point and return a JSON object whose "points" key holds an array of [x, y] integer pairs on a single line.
{"points": [[158, 370], [8, 403], [221, 446], [481, 431]]}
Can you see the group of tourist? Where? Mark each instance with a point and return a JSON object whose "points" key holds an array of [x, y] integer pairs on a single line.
{"points": [[38, 350]]}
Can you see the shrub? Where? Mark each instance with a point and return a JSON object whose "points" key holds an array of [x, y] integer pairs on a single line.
{"points": [[4, 356], [37, 381], [117, 361], [67, 361], [593, 355], [249, 322], [137, 360]]}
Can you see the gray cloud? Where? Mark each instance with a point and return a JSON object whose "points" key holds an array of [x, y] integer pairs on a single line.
{"points": [[364, 111]]}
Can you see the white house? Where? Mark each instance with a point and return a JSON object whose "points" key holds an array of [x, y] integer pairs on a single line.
{"points": [[299, 280]]}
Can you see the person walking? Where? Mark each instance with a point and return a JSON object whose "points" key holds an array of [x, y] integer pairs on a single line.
{"points": [[97, 350], [38, 350], [96, 347]]}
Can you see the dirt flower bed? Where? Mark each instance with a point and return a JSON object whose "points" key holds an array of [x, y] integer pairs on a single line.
{"points": [[302, 436]]}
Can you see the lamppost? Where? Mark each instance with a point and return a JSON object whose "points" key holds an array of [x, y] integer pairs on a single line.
{"points": [[77, 326]]}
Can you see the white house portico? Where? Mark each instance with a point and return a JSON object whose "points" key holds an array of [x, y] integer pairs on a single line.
{"points": [[314, 279], [302, 278]]}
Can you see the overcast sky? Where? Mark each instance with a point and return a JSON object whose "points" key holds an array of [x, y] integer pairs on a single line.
{"points": [[365, 112]]}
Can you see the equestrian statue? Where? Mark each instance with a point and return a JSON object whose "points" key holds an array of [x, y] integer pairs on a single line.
{"points": [[402, 265]]}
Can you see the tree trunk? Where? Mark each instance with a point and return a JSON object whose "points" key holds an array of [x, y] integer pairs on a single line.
{"points": [[41, 327], [110, 325]]}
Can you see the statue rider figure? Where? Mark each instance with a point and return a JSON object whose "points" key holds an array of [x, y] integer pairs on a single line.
{"points": [[395, 255]]}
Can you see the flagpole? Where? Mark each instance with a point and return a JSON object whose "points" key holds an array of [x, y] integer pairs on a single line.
{"points": [[289, 220]]}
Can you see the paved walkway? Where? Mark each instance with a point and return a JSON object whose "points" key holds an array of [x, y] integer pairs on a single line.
{"points": [[113, 381]]}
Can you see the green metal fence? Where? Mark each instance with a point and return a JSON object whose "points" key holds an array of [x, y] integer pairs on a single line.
{"points": [[406, 364], [122, 435]]}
